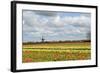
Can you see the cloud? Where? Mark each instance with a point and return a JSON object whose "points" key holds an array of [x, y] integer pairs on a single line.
{"points": [[53, 24], [78, 21], [45, 13]]}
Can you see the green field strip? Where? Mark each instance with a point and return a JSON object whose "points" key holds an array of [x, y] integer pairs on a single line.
{"points": [[56, 50], [60, 48], [58, 45]]}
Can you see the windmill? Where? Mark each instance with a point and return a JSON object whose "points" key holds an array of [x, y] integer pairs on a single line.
{"points": [[42, 39]]}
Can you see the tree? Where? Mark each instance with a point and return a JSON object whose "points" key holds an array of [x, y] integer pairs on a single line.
{"points": [[89, 35]]}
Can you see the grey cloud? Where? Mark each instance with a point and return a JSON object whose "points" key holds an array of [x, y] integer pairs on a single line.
{"points": [[86, 15], [46, 13], [79, 21]]}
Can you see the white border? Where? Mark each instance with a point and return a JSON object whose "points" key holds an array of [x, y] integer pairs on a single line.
{"points": [[21, 65]]}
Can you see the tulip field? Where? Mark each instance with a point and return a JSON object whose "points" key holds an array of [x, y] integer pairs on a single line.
{"points": [[64, 51]]}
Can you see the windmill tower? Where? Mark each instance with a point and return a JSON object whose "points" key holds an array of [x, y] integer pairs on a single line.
{"points": [[42, 39]]}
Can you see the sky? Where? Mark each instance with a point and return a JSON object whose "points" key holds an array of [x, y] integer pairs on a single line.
{"points": [[55, 25]]}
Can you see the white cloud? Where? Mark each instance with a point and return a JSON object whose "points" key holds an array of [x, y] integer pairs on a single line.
{"points": [[52, 24], [57, 21]]}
